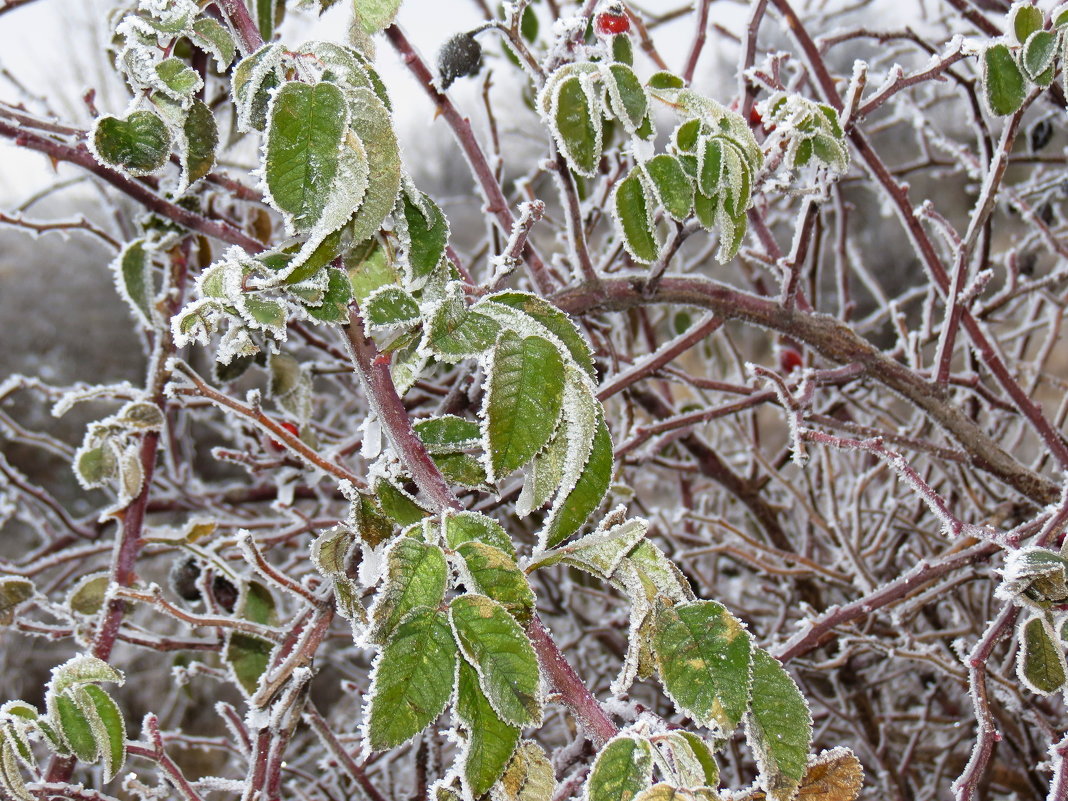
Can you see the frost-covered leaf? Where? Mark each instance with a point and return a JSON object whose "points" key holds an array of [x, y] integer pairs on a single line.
{"points": [[416, 575], [464, 527], [111, 732], [598, 553], [371, 123], [246, 654], [13, 591], [1040, 574], [778, 728], [461, 468], [623, 768], [572, 510], [1024, 20], [369, 267], [427, 233], [694, 761], [397, 504], [253, 79], [671, 185], [494, 573], [557, 322], [73, 726], [576, 119], [498, 649], [1041, 663], [177, 78], [1037, 58], [634, 214], [490, 741], [1003, 83], [302, 149], [530, 776], [134, 276], [330, 553], [212, 37], [200, 137], [138, 144], [10, 777], [413, 679], [390, 305], [456, 332], [335, 303], [88, 595], [626, 96], [546, 472], [526, 394], [80, 670], [374, 15], [703, 654], [448, 433]]}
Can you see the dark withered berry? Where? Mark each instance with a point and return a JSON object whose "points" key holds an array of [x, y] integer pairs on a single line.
{"points": [[459, 57]]}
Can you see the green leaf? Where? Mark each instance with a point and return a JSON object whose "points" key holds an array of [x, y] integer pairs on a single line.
{"points": [[413, 679], [247, 654], [1038, 53], [397, 504], [13, 591], [80, 670], [253, 79], [490, 741], [10, 777], [546, 472], [179, 79], [455, 332], [570, 512], [636, 219], [201, 138], [75, 729], [133, 270], [88, 595], [556, 321], [1060, 15], [301, 154], [577, 125], [263, 314], [626, 96], [778, 727], [213, 38], [665, 80], [623, 768], [461, 468], [494, 573], [1025, 20], [369, 267], [415, 576], [371, 525], [427, 234], [335, 305], [1041, 664], [391, 305], [498, 649], [598, 553], [704, 756], [107, 711], [671, 185], [266, 17], [530, 775], [375, 15], [703, 654], [1004, 84], [138, 144], [464, 527], [623, 49], [448, 433], [371, 123], [526, 394]]}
